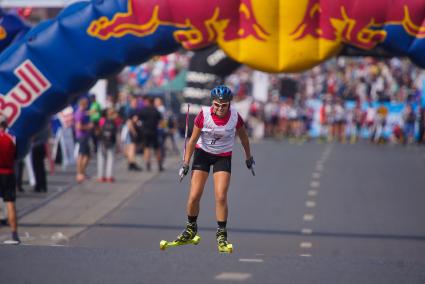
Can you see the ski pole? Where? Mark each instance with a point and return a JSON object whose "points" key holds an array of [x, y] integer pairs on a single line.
{"points": [[185, 137]]}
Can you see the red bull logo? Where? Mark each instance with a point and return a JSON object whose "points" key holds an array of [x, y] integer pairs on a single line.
{"points": [[361, 25], [200, 23], [32, 84]]}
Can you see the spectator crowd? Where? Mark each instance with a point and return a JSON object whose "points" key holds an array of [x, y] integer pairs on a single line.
{"points": [[344, 99]]}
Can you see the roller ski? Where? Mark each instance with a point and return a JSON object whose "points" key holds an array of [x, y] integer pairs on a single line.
{"points": [[222, 244], [188, 236]]}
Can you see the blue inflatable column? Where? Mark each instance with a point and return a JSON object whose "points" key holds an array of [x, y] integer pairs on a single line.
{"points": [[423, 94]]}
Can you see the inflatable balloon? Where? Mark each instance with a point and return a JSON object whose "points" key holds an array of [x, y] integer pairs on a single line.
{"points": [[12, 28]]}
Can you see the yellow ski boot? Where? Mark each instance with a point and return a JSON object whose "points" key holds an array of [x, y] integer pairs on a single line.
{"points": [[223, 245]]}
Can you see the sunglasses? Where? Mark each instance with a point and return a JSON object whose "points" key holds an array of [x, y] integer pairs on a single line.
{"points": [[222, 105]]}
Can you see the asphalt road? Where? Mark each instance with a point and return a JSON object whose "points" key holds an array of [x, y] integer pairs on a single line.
{"points": [[314, 213]]}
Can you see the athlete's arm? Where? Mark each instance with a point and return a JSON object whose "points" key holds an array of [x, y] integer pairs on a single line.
{"points": [[243, 136], [190, 147]]}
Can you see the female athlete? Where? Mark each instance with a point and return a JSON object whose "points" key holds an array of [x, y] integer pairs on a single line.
{"points": [[211, 143]]}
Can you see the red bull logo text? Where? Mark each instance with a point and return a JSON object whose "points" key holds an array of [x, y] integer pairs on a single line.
{"points": [[361, 25], [32, 84], [200, 23]]}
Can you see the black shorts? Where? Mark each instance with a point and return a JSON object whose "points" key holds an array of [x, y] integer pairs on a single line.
{"points": [[202, 161], [84, 143], [8, 187], [150, 140]]}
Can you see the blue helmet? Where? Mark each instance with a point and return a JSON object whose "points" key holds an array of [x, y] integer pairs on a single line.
{"points": [[221, 92]]}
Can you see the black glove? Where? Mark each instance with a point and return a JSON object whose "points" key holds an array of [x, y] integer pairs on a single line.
{"points": [[250, 163], [183, 171]]}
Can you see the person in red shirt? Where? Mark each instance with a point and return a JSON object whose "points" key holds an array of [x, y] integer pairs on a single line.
{"points": [[211, 144], [7, 177]]}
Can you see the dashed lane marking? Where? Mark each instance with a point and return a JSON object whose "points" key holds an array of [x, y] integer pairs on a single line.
{"points": [[312, 192], [308, 217], [310, 204], [314, 184], [233, 276], [306, 245], [258, 260], [306, 231], [319, 167], [305, 255], [316, 175]]}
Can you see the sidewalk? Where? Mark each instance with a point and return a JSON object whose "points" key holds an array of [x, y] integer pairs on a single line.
{"points": [[58, 182], [68, 208]]}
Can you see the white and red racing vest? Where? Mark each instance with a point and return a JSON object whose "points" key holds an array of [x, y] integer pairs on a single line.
{"points": [[216, 139]]}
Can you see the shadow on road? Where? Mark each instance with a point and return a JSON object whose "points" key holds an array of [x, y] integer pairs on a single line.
{"points": [[236, 230]]}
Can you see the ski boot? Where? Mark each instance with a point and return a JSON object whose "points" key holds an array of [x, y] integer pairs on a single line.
{"points": [[188, 236], [223, 245]]}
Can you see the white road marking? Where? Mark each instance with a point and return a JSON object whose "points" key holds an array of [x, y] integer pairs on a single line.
{"points": [[306, 245], [259, 260], [316, 175], [308, 217], [314, 184], [233, 276], [59, 236], [34, 245], [309, 203], [306, 231], [10, 242]]}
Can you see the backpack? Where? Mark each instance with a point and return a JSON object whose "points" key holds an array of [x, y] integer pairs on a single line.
{"points": [[109, 133]]}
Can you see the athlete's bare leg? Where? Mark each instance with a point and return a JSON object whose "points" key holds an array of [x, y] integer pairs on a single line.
{"points": [[131, 153], [11, 213], [84, 163], [147, 155], [80, 172], [221, 187], [197, 184], [159, 157]]}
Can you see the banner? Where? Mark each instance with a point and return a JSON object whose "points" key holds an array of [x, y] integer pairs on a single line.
{"points": [[207, 69]]}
